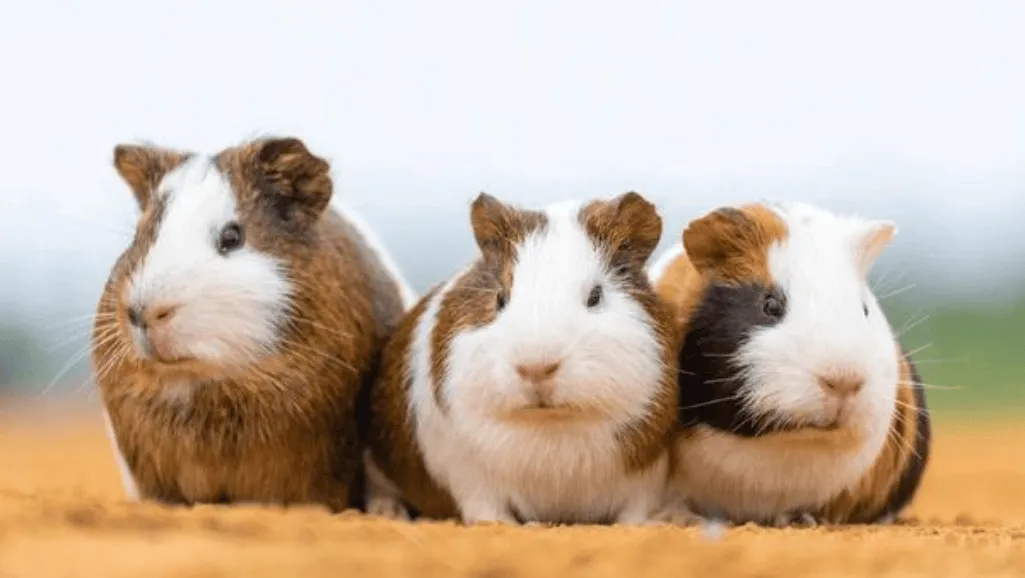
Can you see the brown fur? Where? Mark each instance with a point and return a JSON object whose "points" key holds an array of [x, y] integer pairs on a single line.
{"points": [[680, 287], [283, 429], [871, 497], [472, 301], [628, 227], [390, 434], [728, 245], [731, 245], [142, 167]]}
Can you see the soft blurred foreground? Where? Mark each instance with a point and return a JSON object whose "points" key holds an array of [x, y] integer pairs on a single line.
{"points": [[62, 514]]}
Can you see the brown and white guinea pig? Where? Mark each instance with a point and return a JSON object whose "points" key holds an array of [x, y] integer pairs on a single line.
{"points": [[798, 403], [538, 383], [234, 333]]}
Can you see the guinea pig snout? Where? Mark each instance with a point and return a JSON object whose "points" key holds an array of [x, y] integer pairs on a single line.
{"points": [[151, 316], [538, 378], [841, 381], [150, 328], [538, 373]]}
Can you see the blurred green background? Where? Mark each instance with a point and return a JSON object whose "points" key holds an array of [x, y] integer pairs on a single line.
{"points": [[968, 350], [969, 354]]}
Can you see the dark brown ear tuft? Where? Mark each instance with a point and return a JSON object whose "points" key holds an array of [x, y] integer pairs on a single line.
{"points": [[142, 168], [643, 221], [713, 239], [733, 242], [629, 226], [494, 225], [298, 175]]}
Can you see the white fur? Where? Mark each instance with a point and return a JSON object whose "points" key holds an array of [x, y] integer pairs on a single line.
{"points": [[127, 479], [230, 307], [572, 470], [824, 327], [383, 497], [658, 267]]}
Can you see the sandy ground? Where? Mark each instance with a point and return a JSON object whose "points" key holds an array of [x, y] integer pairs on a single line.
{"points": [[61, 514]]}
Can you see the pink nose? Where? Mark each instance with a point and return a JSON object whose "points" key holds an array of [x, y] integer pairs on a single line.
{"points": [[538, 372], [842, 383]]}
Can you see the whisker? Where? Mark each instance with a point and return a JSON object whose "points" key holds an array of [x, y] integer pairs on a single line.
{"points": [[718, 380], [324, 355], [896, 292], [76, 359], [912, 325], [910, 406], [712, 402], [80, 319], [312, 323], [918, 349], [930, 385]]}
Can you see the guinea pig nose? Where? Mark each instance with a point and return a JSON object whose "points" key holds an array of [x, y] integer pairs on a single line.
{"points": [[159, 314], [842, 382], [537, 372]]}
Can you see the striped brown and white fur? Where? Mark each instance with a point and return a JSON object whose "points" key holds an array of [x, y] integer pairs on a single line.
{"points": [[538, 383]]}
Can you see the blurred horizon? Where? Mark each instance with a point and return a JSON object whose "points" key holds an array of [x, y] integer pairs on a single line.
{"points": [[910, 112]]}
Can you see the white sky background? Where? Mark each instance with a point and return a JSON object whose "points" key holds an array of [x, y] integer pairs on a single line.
{"points": [[900, 109]]}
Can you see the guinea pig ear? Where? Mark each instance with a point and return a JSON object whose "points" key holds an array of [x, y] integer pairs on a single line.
{"points": [[297, 175], [142, 168], [494, 225], [628, 225], [872, 239], [724, 235]]}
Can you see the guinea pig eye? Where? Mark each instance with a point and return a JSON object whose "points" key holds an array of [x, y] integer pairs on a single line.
{"points": [[500, 300], [774, 307], [594, 297], [230, 238], [864, 307]]}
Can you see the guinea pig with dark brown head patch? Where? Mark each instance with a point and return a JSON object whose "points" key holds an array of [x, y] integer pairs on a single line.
{"points": [[538, 383], [798, 403], [234, 333]]}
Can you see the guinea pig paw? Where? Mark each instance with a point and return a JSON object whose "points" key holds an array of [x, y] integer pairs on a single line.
{"points": [[387, 507]]}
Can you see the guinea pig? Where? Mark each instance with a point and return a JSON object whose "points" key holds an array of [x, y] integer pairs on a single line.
{"points": [[798, 404], [537, 384], [235, 333]]}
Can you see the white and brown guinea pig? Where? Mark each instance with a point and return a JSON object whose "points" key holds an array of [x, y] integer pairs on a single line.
{"points": [[538, 383], [798, 403], [234, 333]]}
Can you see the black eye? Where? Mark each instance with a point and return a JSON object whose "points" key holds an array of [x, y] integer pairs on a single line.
{"points": [[594, 297], [774, 307], [864, 307], [230, 238], [500, 300]]}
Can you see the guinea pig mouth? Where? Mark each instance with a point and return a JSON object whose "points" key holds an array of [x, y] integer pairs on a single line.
{"points": [[831, 419], [149, 351], [543, 412]]}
